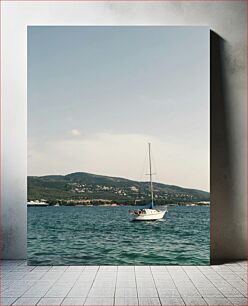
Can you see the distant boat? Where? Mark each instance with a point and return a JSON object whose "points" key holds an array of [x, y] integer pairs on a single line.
{"points": [[149, 213], [36, 204]]}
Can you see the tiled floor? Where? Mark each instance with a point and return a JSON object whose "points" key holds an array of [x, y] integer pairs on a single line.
{"points": [[129, 285]]}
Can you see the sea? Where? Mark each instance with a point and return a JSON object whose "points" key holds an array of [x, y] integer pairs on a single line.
{"points": [[96, 235]]}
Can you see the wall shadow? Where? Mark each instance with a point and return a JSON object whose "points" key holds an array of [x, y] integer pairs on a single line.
{"points": [[222, 208]]}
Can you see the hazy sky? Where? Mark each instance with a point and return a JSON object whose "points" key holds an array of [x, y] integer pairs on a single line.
{"points": [[98, 95]]}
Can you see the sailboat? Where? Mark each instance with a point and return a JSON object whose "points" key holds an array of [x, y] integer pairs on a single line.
{"points": [[149, 213]]}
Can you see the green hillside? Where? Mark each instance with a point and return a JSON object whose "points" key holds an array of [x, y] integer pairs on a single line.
{"points": [[81, 186]]}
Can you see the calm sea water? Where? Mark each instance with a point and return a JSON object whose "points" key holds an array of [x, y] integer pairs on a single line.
{"points": [[105, 235]]}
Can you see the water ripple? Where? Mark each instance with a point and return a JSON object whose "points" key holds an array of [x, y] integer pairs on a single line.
{"points": [[105, 235]]}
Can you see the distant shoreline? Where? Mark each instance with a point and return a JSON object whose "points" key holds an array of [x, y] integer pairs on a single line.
{"points": [[85, 188], [44, 204]]}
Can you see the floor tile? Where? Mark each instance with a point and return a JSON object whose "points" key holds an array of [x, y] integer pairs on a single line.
{"points": [[38, 290], [108, 268], [217, 301], [79, 291], [125, 283], [230, 292], [58, 269], [33, 275], [15, 275], [142, 269], [102, 292], [41, 269], [58, 291], [147, 292], [189, 292], [194, 301], [91, 269], [126, 292], [74, 301], [149, 301], [145, 282], [106, 275], [239, 301], [75, 268], [24, 268], [168, 284], [103, 284], [13, 292], [27, 301], [99, 301], [210, 292], [163, 276], [71, 275], [98, 285], [125, 269], [166, 301], [7, 301], [50, 301], [121, 301], [51, 276], [84, 279], [163, 292]]}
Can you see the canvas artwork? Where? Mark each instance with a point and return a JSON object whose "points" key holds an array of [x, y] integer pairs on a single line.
{"points": [[118, 145]]}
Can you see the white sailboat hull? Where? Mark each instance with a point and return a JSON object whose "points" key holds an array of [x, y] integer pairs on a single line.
{"points": [[149, 215]]}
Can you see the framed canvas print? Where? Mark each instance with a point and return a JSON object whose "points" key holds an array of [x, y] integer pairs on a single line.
{"points": [[118, 145]]}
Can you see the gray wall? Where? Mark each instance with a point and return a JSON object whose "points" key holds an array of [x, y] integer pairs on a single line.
{"points": [[227, 21]]}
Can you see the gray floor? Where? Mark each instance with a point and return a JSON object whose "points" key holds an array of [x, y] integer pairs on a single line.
{"points": [[123, 285]]}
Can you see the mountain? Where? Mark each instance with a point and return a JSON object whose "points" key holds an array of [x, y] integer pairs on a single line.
{"points": [[84, 187]]}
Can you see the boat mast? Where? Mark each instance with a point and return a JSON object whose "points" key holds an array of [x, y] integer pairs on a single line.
{"points": [[150, 173]]}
